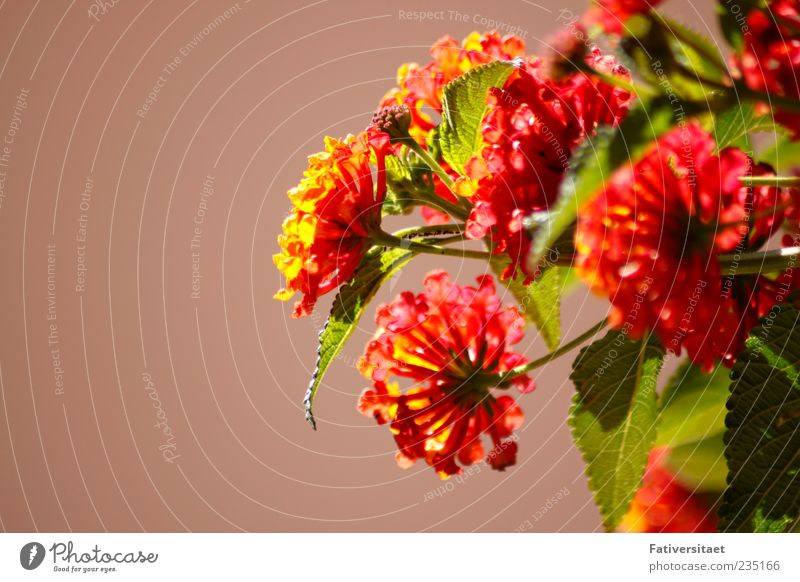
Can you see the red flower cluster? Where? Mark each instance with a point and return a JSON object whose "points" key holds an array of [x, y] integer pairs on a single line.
{"points": [[420, 87], [452, 341], [651, 239], [770, 60], [664, 505], [335, 207], [530, 131], [612, 14]]}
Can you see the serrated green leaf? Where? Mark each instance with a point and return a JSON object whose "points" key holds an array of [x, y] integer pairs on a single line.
{"points": [[734, 126], [463, 107], [694, 50], [613, 417], [348, 307], [539, 301], [762, 441], [673, 58], [594, 163]]}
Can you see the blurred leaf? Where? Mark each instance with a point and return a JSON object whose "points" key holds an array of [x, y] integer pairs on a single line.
{"points": [[693, 405], [594, 162], [784, 156], [762, 441], [613, 417], [539, 301], [678, 61], [700, 465], [733, 22], [463, 107], [695, 51], [692, 422], [348, 307]]}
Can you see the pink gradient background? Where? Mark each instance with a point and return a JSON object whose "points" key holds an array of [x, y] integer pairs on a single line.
{"points": [[245, 105]]}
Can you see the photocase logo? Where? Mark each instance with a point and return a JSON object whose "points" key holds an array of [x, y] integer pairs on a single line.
{"points": [[31, 555]]}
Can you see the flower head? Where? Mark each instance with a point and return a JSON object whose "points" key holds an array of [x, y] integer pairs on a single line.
{"points": [[420, 87], [452, 341], [335, 207], [770, 59], [650, 241], [664, 505], [532, 127]]}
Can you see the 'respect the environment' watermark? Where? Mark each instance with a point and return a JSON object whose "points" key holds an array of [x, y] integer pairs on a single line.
{"points": [[184, 51]]}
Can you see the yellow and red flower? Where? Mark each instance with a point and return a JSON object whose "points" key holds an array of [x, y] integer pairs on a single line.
{"points": [[335, 208], [530, 131], [650, 242], [664, 505], [770, 59], [452, 341], [420, 87]]}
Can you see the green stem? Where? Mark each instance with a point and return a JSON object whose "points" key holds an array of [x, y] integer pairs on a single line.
{"points": [[560, 351], [430, 162], [431, 229], [778, 181], [388, 240], [755, 263], [449, 239], [697, 76], [777, 101], [439, 203], [629, 86]]}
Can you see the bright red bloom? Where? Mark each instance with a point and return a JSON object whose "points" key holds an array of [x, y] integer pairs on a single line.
{"points": [[612, 14], [420, 87], [770, 59], [650, 241], [664, 505], [530, 131], [335, 207], [451, 341]]}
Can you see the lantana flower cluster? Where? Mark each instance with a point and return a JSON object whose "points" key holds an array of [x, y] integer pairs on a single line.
{"points": [[663, 238]]}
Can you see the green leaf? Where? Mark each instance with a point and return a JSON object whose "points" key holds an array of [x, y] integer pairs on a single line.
{"points": [[734, 126], [680, 62], [762, 442], [693, 405], [691, 425], [701, 465], [593, 164], [732, 21], [693, 50], [408, 182], [399, 187], [613, 417], [348, 307], [784, 156], [463, 107], [539, 301]]}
